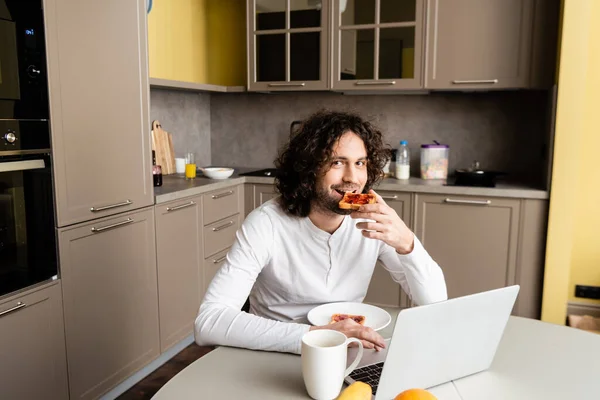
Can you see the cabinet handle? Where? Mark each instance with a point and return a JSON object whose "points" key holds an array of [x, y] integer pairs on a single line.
{"points": [[15, 308], [218, 228], [104, 228], [218, 260], [191, 203], [218, 196], [394, 197], [475, 81], [285, 84], [477, 202], [374, 83], [125, 203]]}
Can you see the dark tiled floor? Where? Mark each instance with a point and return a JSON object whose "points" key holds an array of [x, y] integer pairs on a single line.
{"points": [[146, 388]]}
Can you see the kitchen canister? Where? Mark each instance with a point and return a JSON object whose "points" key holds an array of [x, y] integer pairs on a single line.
{"points": [[434, 161]]}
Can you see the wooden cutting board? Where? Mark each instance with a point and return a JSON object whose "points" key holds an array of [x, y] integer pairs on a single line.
{"points": [[162, 144]]}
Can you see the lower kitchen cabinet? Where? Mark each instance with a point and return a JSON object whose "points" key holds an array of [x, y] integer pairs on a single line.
{"points": [[32, 345], [179, 261], [383, 291], [110, 300], [257, 194], [212, 265], [485, 243]]}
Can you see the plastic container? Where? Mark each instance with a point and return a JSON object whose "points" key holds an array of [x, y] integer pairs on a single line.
{"points": [[403, 161], [434, 161]]}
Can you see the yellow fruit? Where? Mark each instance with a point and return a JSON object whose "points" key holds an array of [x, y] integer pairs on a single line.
{"points": [[356, 391], [415, 394]]}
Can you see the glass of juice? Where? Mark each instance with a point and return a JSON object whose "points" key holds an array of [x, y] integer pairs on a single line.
{"points": [[190, 166]]}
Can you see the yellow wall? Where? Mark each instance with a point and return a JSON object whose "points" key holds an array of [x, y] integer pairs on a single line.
{"points": [[202, 41], [573, 246]]}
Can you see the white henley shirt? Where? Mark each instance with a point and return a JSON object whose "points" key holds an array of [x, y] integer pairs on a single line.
{"points": [[288, 266]]}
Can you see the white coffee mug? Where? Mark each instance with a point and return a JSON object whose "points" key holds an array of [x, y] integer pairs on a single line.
{"points": [[180, 165], [324, 354]]}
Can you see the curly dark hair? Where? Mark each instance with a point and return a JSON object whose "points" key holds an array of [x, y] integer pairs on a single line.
{"points": [[303, 158]]}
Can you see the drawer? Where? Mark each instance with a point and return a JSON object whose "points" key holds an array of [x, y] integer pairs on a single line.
{"points": [[220, 235], [211, 266], [221, 203]]}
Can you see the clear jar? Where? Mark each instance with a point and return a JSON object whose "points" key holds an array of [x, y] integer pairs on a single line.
{"points": [[434, 161]]}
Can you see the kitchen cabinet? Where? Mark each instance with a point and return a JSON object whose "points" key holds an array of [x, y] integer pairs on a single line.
{"points": [[32, 345], [383, 291], [479, 44], [99, 106], [287, 45], [377, 44], [222, 210], [485, 243], [179, 258], [473, 239], [198, 44], [211, 266], [110, 297], [257, 194]]}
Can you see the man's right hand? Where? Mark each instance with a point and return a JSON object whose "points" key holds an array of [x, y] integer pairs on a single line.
{"points": [[369, 338]]}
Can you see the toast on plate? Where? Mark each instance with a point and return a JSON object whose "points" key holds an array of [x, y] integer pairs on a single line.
{"points": [[340, 317]]}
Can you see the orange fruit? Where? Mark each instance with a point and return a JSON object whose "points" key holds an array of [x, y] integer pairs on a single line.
{"points": [[415, 394]]}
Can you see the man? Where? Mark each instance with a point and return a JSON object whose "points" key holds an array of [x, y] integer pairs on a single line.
{"points": [[301, 250]]}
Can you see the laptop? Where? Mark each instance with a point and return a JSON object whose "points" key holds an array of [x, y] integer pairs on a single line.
{"points": [[437, 343]]}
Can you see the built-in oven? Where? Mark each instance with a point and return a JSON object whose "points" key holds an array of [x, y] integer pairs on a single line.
{"points": [[23, 77], [28, 252]]}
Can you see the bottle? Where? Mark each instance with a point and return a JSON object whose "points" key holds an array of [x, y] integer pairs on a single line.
{"points": [[156, 171], [403, 161]]}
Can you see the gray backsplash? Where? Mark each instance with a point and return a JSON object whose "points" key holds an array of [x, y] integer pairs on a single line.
{"points": [[186, 115], [505, 131]]}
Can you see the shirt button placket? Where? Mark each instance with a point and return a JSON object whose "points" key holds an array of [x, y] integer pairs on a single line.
{"points": [[331, 260]]}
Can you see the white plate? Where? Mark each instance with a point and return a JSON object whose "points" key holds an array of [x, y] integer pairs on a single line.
{"points": [[375, 317]]}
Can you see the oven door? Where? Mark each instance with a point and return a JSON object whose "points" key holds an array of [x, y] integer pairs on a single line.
{"points": [[27, 229], [9, 65]]}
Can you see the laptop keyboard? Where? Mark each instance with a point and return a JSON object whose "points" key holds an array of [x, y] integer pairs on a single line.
{"points": [[369, 374]]}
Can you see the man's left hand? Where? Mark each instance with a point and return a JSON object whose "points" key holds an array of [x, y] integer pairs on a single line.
{"points": [[388, 226]]}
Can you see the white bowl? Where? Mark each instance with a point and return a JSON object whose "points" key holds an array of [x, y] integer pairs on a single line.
{"points": [[217, 172]]}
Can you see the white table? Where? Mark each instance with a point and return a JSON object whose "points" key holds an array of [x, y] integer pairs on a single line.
{"points": [[535, 360]]}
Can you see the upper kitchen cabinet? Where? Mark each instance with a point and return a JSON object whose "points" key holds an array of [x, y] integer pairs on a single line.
{"points": [[287, 44], [377, 44], [198, 44], [99, 107], [490, 44]]}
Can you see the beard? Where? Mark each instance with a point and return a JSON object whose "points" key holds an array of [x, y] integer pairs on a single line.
{"points": [[327, 202]]}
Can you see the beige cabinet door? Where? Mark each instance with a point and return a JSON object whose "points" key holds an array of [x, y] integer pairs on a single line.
{"points": [[287, 45], [110, 300], [257, 194], [377, 45], [32, 346], [99, 106], [264, 193], [179, 260], [478, 44], [211, 266], [473, 239], [222, 203], [383, 290]]}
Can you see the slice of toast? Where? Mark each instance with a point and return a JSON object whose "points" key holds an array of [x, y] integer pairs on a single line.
{"points": [[353, 201], [340, 317]]}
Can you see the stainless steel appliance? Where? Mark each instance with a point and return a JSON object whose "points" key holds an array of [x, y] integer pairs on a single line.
{"points": [[27, 221]]}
